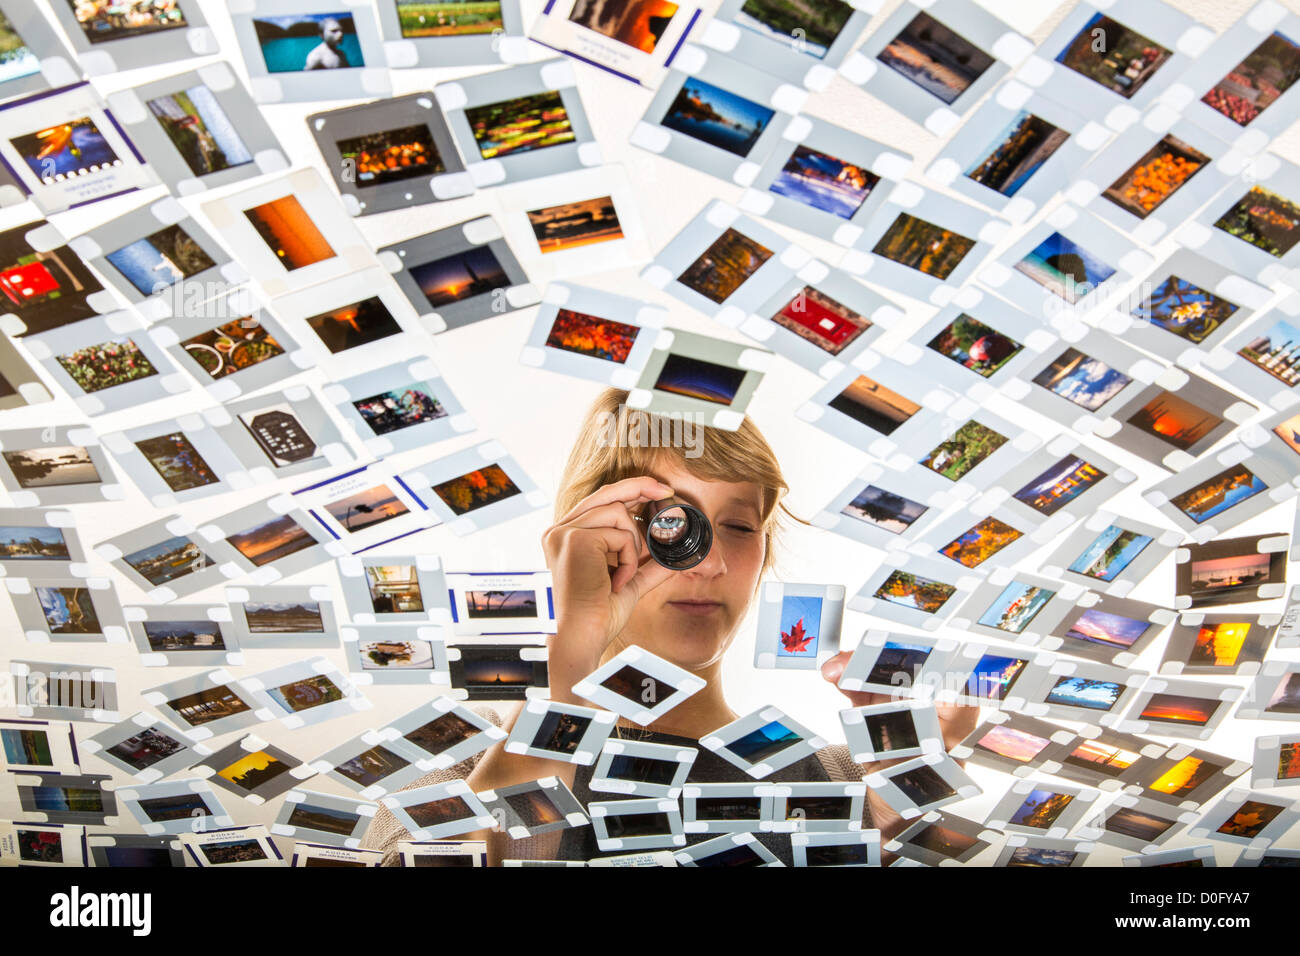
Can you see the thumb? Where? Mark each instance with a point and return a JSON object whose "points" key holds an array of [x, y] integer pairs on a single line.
{"points": [[833, 668], [649, 576]]}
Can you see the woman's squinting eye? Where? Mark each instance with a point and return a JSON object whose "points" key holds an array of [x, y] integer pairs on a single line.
{"points": [[740, 528]]}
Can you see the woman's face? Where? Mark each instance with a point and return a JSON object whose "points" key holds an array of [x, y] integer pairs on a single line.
{"points": [[692, 617]]}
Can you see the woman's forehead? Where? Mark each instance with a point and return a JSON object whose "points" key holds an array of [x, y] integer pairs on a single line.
{"points": [[717, 493]]}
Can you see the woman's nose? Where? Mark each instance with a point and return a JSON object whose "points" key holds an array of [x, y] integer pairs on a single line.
{"points": [[713, 564]]}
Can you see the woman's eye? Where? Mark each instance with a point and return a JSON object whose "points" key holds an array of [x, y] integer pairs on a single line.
{"points": [[740, 527]]}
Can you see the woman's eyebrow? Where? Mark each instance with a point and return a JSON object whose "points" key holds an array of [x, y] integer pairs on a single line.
{"points": [[745, 504], [685, 496], [690, 499]]}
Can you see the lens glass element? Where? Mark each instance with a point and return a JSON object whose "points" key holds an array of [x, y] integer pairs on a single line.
{"points": [[669, 526], [677, 535]]}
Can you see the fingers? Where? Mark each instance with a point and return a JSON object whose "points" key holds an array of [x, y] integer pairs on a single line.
{"points": [[606, 512], [646, 578], [833, 670], [957, 713], [589, 562], [956, 721], [609, 530], [629, 491], [628, 557], [863, 698], [614, 515], [833, 667]]}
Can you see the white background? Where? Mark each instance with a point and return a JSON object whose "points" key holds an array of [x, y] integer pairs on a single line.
{"points": [[536, 414]]}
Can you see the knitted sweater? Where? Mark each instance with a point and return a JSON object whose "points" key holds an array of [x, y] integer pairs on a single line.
{"points": [[386, 832]]}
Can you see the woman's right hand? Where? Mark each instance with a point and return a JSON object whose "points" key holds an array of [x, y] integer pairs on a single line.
{"points": [[592, 605]]}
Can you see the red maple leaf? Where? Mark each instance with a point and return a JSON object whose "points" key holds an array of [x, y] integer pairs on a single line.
{"points": [[797, 640]]}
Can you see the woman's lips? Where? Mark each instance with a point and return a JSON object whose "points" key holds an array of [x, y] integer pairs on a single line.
{"points": [[696, 607]]}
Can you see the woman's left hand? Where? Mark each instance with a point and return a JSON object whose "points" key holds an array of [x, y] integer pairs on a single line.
{"points": [[956, 721]]}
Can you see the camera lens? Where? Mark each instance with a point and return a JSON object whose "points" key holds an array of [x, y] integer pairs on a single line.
{"points": [[677, 534]]}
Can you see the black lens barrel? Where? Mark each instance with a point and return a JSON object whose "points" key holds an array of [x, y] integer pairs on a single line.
{"points": [[678, 535]]}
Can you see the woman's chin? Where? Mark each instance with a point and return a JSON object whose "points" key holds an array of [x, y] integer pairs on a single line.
{"points": [[689, 647]]}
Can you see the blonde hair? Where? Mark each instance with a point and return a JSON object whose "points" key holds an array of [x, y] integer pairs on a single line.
{"points": [[608, 449]]}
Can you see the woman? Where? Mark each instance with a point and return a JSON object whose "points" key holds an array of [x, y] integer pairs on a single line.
{"points": [[610, 595]]}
